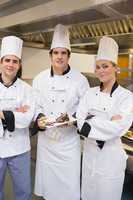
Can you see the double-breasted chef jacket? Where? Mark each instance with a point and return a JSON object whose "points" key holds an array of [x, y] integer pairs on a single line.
{"points": [[58, 149], [14, 135], [104, 160]]}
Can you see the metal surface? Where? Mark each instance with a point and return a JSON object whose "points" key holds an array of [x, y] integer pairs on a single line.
{"points": [[13, 6]]}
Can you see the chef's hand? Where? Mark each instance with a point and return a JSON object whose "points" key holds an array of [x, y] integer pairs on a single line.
{"points": [[41, 122], [116, 117], [1, 115], [23, 109]]}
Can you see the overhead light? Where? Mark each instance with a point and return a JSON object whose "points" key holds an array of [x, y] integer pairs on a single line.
{"points": [[83, 44]]}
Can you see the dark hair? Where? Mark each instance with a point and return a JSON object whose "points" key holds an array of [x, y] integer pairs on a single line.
{"points": [[19, 72], [68, 52]]}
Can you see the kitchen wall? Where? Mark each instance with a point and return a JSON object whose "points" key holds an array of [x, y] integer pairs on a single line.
{"points": [[35, 60]]}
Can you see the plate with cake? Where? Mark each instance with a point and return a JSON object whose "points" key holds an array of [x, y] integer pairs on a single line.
{"points": [[62, 120]]}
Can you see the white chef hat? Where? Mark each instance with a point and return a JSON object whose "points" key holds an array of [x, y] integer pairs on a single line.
{"points": [[11, 45], [108, 49], [61, 37]]}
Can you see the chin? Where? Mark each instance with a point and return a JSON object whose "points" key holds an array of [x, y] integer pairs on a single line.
{"points": [[11, 74], [60, 66], [103, 79]]}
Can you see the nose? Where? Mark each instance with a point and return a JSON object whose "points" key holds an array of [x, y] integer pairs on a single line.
{"points": [[11, 63], [59, 55], [101, 69]]}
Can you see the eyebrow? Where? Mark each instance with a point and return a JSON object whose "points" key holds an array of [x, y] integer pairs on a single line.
{"points": [[102, 65], [59, 52], [8, 59]]}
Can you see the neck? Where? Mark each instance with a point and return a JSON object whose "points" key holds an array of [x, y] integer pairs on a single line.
{"points": [[59, 71], [6, 79], [107, 86]]}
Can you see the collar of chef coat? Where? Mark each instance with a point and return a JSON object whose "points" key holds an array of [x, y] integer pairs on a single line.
{"points": [[65, 72], [15, 78], [114, 87]]}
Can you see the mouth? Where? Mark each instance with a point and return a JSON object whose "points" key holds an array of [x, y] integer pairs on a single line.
{"points": [[9, 69], [59, 62], [102, 75]]}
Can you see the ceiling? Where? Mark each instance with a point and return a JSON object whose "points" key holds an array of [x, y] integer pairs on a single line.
{"points": [[87, 20]]}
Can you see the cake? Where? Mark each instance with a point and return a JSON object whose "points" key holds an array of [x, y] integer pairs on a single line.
{"points": [[62, 118]]}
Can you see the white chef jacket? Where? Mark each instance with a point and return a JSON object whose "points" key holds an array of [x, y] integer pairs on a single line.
{"points": [[58, 149], [103, 169], [18, 94]]}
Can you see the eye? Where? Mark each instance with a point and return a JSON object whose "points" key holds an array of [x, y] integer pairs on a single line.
{"points": [[15, 61], [97, 67], [7, 60], [105, 66], [55, 52], [63, 52]]}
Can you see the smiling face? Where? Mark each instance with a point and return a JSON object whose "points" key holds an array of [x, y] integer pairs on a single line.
{"points": [[10, 66], [59, 58], [105, 71]]}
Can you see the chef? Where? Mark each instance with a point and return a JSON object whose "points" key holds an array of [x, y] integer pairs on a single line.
{"points": [[58, 150], [104, 115], [16, 113]]}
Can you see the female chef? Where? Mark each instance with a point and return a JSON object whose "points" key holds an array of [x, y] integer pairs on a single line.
{"points": [[16, 113], [104, 115], [58, 149]]}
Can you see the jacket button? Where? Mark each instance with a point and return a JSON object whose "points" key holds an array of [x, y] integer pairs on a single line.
{"points": [[53, 88], [53, 100], [104, 108], [51, 113], [62, 100], [10, 135]]}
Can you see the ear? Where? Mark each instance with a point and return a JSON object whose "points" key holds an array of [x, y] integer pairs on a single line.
{"points": [[117, 70]]}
